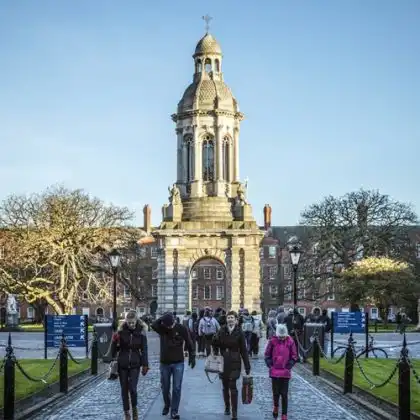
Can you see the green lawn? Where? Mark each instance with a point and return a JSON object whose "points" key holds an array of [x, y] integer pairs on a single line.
{"points": [[389, 328], [40, 327], [377, 370], [38, 368]]}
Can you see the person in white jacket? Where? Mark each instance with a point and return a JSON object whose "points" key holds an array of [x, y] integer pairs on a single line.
{"points": [[207, 328]]}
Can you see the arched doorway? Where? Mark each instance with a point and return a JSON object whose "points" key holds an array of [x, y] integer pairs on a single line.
{"points": [[208, 284]]}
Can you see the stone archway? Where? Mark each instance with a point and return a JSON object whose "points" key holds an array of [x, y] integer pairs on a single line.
{"points": [[208, 282]]}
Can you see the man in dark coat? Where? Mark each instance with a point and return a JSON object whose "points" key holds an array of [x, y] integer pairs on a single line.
{"points": [[294, 322], [230, 341], [173, 335]]}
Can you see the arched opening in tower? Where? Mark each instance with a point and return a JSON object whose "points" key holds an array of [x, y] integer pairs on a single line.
{"points": [[207, 65], [208, 159]]}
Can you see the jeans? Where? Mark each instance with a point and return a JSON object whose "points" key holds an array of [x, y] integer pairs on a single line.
{"points": [[176, 370], [280, 388], [128, 381], [208, 339], [255, 340]]}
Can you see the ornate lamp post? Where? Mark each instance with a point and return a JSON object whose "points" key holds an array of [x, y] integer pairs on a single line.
{"points": [[115, 259], [295, 254]]}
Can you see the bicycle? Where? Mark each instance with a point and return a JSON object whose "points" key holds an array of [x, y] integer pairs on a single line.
{"points": [[377, 352]]}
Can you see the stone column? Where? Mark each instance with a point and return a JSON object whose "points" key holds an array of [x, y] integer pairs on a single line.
{"points": [[235, 155], [185, 163], [179, 163], [219, 153], [235, 279]]}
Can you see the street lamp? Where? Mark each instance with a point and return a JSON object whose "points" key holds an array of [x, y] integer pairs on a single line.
{"points": [[115, 259], [295, 253]]}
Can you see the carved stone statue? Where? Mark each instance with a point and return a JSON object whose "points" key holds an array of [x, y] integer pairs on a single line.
{"points": [[11, 305], [174, 194], [240, 194]]}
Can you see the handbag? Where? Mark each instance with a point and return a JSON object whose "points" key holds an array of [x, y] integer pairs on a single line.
{"points": [[113, 370], [247, 389], [214, 364]]}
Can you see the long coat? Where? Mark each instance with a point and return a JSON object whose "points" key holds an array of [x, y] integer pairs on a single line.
{"points": [[232, 346]]}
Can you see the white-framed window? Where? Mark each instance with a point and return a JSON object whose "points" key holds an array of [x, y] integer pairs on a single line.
{"points": [[100, 311], [141, 310], [195, 292], [86, 311], [300, 289], [207, 273], [194, 274], [302, 311], [272, 270], [220, 292], [287, 272], [154, 290], [155, 274], [374, 313], [207, 292], [272, 251], [219, 274], [418, 249], [261, 252], [274, 290], [30, 312], [153, 252], [288, 292], [330, 289], [127, 293]]}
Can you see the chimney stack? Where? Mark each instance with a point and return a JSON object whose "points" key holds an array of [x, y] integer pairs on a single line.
{"points": [[267, 217], [147, 224]]}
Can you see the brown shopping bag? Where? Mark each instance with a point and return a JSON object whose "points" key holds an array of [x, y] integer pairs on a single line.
{"points": [[247, 389]]}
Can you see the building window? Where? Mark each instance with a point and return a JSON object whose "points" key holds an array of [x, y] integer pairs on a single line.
{"points": [[272, 270], [287, 271], [220, 292], [300, 289], [154, 290], [127, 293], [195, 292], [30, 312], [272, 252], [207, 273], [219, 274], [302, 311], [226, 157], [208, 159], [155, 274], [100, 311], [153, 252], [330, 289], [261, 252], [207, 292], [217, 65], [207, 65], [141, 310], [374, 313], [274, 291], [189, 164], [194, 274], [288, 292], [86, 311]]}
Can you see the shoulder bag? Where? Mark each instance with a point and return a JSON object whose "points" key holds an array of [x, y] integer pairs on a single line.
{"points": [[214, 364]]}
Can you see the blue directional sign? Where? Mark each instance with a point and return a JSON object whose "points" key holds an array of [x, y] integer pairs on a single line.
{"points": [[346, 322], [74, 328]]}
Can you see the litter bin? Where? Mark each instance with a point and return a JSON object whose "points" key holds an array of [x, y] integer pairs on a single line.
{"points": [[104, 336], [309, 330]]}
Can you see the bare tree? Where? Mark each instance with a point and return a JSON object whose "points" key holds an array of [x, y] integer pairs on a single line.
{"points": [[358, 225], [54, 244]]}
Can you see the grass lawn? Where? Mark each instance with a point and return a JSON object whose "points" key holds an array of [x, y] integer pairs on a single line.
{"points": [[377, 370], [389, 328], [40, 327], [38, 368]]}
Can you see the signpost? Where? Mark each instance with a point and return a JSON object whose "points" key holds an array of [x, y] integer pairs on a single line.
{"points": [[347, 322], [73, 327]]}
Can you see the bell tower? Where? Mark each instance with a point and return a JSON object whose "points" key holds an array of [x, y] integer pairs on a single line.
{"points": [[208, 215]]}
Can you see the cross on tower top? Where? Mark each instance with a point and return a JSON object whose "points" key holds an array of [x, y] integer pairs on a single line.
{"points": [[207, 19]]}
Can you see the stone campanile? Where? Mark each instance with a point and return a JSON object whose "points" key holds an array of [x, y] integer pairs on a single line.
{"points": [[208, 219]]}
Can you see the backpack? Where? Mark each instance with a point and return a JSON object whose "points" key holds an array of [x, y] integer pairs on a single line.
{"points": [[248, 324], [209, 326]]}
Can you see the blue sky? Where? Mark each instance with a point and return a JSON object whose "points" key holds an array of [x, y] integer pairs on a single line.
{"points": [[330, 91]]}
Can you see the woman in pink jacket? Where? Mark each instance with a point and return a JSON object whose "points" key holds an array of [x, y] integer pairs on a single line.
{"points": [[280, 356]]}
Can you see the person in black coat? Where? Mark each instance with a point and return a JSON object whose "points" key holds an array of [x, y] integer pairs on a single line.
{"points": [[129, 347], [230, 342]]}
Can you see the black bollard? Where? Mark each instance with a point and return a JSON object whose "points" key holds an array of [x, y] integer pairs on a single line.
{"points": [[94, 355], [404, 391], [64, 383], [9, 382], [316, 357], [348, 367]]}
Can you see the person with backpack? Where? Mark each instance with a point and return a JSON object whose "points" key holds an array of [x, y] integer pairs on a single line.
{"points": [[256, 334], [271, 324], [200, 339], [281, 315], [193, 329], [247, 328], [207, 328]]}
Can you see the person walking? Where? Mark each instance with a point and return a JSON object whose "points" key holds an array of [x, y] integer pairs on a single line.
{"points": [[256, 334], [280, 357], [271, 324], [230, 343], [129, 347], [207, 328], [193, 329], [247, 328], [173, 335], [295, 324], [200, 338], [281, 315]]}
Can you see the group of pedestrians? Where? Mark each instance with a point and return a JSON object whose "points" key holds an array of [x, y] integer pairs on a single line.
{"points": [[227, 334]]}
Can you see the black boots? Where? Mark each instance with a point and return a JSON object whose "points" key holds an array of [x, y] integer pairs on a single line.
{"points": [[234, 403], [226, 399]]}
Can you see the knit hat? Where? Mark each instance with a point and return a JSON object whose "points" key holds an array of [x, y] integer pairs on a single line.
{"points": [[168, 320]]}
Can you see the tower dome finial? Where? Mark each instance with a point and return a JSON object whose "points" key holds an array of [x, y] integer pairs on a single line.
{"points": [[207, 19]]}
